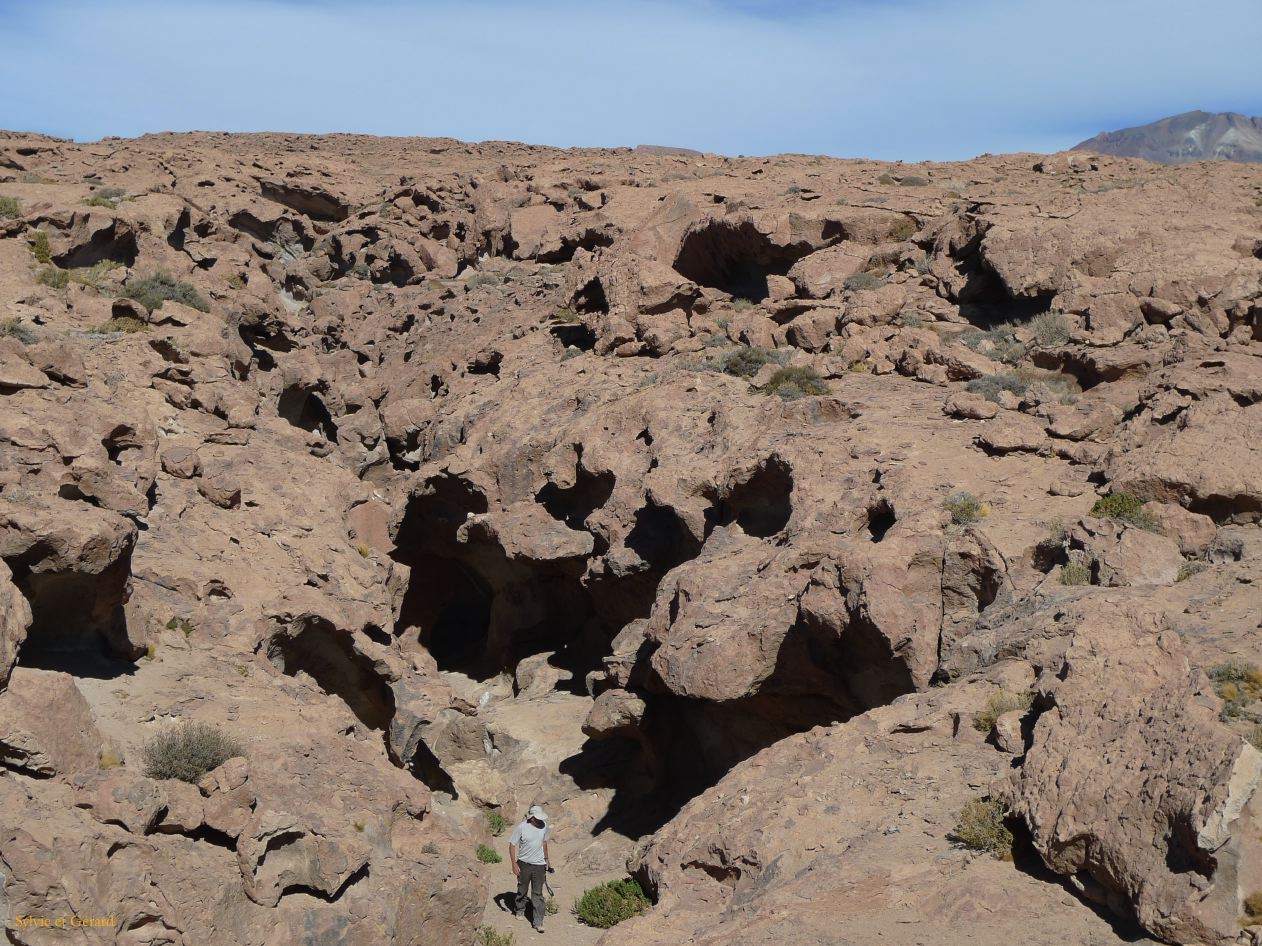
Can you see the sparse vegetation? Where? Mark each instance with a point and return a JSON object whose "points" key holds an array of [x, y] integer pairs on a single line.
{"points": [[236, 281], [38, 241], [10, 208], [107, 197], [1237, 683], [744, 361], [153, 290], [858, 282], [109, 759], [1051, 329], [610, 903], [1125, 508], [1254, 737], [183, 625], [1188, 569], [53, 278], [188, 752], [551, 907], [495, 823], [488, 855], [998, 342], [93, 276], [13, 328], [981, 828], [480, 280], [992, 385], [122, 325], [796, 382], [566, 317], [363, 550], [1075, 573], [914, 180], [1253, 908], [996, 705], [965, 509], [886, 179], [490, 936], [742, 305]]}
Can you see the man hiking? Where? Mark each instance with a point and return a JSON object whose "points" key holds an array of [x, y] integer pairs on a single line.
{"points": [[528, 853]]}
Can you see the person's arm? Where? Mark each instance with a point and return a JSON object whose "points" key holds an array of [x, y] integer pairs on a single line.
{"points": [[512, 857], [547, 861]]}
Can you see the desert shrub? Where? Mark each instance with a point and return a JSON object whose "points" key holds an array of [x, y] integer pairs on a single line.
{"points": [[13, 328], [10, 208], [905, 229], [495, 822], [857, 282], [1075, 573], [1123, 507], [53, 277], [792, 189], [981, 828], [1254, 737], [1253, 907], [122, 325], [1188, 569], [998, 342], [1237, 683], [480, 280], [793, 383], [1051, 329], [490, 936], [566, 316], [488, 855], [742, 305], [38, 241], [107, 197], [611, 903], [183, 625], [109, 759], [744, 361], [996, 705], [886, 179], [236, 281], [551, 907], [93, 276], [188, 752], [992, 385], [965, 508], [153, 290], [914, 180]]}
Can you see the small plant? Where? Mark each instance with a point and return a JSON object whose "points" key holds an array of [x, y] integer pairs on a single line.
{"points": [[93, 276], [122, 324], [905, 229], [744, 361], [107, 197], [358, 826], [1254, 737], [914, 180], [479, 280], [109, 759], [1237, 683], [188, 752], [236, 281], [10, 208], [1075, 573], [488, 855], [363, 550], [981, 828], [53, 278], [13, 328], [1125, 508], [490, 936], [742, 305], [792, 189], [858, 282], [1253, 908], [965, 509], [886, 179], [996, 705], [998, 342], [992, 385], [1189, 569], [38, 241], [551, 907], [495, 823], [153, 290], [151, 651], [610, 903], [183, 625], [1051, 329], [565, 316], [796, 382]]}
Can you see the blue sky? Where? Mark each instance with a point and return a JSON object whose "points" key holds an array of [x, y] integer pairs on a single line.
{"points": [[886, 79]]}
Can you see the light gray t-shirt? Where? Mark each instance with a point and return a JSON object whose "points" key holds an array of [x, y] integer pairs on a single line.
{"points": [[529, 842]]}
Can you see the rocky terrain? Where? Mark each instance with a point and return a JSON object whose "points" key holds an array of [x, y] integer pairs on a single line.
{"points": [[1191, 136], [757, 517]]}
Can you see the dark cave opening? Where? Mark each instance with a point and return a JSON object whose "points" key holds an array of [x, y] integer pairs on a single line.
{"points": [[737, 258], [762, 504], [591, 298], [303, 408], [881, 519]]}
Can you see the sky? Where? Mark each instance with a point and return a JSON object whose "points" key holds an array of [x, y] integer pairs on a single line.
{"points": [[887, 79]]}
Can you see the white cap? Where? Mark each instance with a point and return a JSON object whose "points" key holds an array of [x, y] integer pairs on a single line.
{"points": [[537, 813]]}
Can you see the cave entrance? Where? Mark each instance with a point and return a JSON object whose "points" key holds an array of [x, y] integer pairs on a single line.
{"points": [[737, 258], [317, 648], [303, 408], [448, 607]]}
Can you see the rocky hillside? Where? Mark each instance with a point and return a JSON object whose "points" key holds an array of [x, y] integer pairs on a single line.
{"points": [[1192, 136], [757, 517]]}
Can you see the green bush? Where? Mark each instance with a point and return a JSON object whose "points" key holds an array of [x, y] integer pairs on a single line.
{"points": [[992, 385], [1051, 329], [996, 705], [965, 509], [39, 246], [858, 282], [188, 752], [981, 828], [1237, 683], [490, 936], [53, 278], [93, 276], [551, 907], [1075, 573], [1003, 345], [153, 290], [495, 822], [793, 383], [914, 180], [13, 328], [611, 903], [744, 361], [1123, 507], [886, 179], [488, 855], [122, 325], [10, 208], [108, 197]]}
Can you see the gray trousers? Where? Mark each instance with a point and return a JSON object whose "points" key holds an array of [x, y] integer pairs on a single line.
{"points": [[532, 877]]}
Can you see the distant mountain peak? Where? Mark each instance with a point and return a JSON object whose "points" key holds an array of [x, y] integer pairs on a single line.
{"points": [[1191, 136]]}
